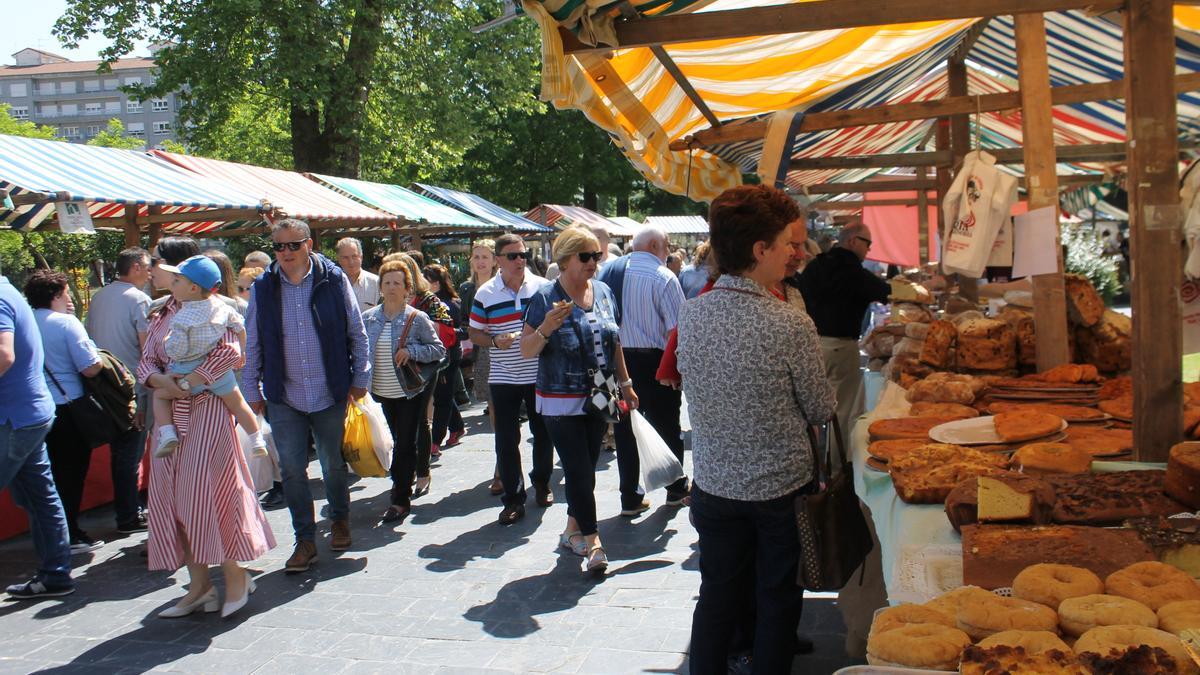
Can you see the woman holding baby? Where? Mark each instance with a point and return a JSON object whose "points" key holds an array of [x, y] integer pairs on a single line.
{"points": [[203, 509]]}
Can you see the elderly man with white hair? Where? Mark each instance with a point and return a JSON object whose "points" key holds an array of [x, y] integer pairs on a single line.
{"points": [[365, 284], [650, 297]]}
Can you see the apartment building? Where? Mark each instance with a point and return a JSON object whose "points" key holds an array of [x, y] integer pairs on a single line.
{"points": [[72, 97]]}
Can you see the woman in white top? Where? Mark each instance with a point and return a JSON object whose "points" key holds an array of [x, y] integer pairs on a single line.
{"points": [[402, 406]]}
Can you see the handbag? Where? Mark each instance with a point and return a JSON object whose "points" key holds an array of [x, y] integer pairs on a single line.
{"points": [[416, 375], [604, 396], [834, 536], [93, 421]]}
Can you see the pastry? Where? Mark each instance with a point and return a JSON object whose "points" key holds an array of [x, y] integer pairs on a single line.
{"points": [[941, 392], [909, 614], [1118, 386], [1013, 427], [1070, 413], [1139, 660], [933, 455], [986, 345], [905, 427], [1084, 304], [1176, 617], [1044, 458], [1033, 641], [1078, 615], [1102, 639], [1005, 494], [949, 602], [932, 484], [1069, 373], [1098, 441], [993, 615], [993, 555], [1183, 474], [1008, 660], [929, 645], [886, 450], [1050, 584], [1152, 583], [939, 340], [905, 312], [930, 409], [1109, 498], [1176, 541], [1120, 407]]}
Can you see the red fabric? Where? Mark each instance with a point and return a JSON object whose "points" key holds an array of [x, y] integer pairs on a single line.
{"points": [[668, 367], [894, 230]]}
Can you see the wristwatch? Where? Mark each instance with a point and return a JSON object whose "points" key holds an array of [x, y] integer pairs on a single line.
{"points": [[184, 384]]}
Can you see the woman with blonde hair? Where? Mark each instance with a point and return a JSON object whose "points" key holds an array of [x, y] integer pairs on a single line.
{"points": [[571, 326], [483, 268], [245, 280]]}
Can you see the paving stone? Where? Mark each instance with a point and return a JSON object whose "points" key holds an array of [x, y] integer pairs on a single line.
{"points": [[294, 664]]}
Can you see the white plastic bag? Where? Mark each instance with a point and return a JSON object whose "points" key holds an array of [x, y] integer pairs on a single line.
{"points": [[264, 469], [660, 468], [976, 206], [381, 435]]}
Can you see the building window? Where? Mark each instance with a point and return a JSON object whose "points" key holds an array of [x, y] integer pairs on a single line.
{"points": [[91, 85], [93, 108], [70, 109], [133, 106], [136, 129], [162, 128], [132, 80], [48, 111], [19, 112], [18, 90], [112, 107], [159, 105], [46, 88], [93, 130], [67, 87], [70, 132], [110, 84]]}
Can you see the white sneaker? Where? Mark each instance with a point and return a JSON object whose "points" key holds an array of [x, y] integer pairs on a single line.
{"points": [[167, 441]]}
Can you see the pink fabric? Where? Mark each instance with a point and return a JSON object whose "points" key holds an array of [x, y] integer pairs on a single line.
{"points": [[894, 231]]}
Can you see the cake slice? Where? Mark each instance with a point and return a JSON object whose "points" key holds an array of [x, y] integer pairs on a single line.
{"points": [[1002, 498], [1176, 541]]}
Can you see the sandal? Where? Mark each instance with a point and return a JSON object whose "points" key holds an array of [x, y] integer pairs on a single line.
{"points": [[579, 548], [496, 488], [422, 490], [597, 561], [395, 513]]}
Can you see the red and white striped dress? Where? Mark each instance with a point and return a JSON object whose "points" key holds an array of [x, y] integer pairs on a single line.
{"points": [[204, 487]]}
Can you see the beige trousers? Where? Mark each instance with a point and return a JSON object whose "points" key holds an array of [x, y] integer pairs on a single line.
{"points": [[843, 367]]}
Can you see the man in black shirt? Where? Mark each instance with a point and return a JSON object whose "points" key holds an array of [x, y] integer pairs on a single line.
{"points": [[837, 291]]}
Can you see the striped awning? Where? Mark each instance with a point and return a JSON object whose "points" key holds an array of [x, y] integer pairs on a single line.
{"points": [[107, 179], [679, 225], [497, 216], [289, 193], [560, 216], [411, 209]]}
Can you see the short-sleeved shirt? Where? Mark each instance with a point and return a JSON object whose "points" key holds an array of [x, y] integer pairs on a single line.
{"points": [[116, 314], [366, 290], [68, 351], [24, 399], [498, 309]]}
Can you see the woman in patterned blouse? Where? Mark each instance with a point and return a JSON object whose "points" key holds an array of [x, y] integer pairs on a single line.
{"points": [[752, 394]]}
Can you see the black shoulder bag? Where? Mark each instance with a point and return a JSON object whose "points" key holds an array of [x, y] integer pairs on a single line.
{"points": [[93, 421]]}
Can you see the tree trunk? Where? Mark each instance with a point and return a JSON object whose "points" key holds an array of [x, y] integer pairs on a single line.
{"points": [[345, 109], [623, 205], [590, 198]]}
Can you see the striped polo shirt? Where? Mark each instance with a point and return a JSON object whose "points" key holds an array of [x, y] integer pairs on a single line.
{"points": [[497, 310]]}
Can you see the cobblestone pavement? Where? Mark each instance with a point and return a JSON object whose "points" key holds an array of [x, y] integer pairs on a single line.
{"points": [[448, 591]]}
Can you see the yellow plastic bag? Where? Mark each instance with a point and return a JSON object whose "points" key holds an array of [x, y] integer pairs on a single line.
{"points": [[357, 445]]}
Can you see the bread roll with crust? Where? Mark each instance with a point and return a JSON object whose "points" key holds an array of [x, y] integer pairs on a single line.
{"points": [[907, 615], [1103, 639], [949, 602], [1152, 583], [1049, 584], [988, 616], [1175, 617], [1033, 641], [928, 645], [1078, 615]]}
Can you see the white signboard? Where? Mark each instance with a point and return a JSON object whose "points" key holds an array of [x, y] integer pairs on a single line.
{"points": [[73, 217]]}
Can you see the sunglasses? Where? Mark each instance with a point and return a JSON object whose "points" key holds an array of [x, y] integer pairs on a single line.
{"points": [[527, 255], [289, 245], [243, 289], [584, 256], [864, 240], [155, 260]]}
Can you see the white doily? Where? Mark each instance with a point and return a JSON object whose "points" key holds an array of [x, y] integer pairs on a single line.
{"points": [[922, 572]]}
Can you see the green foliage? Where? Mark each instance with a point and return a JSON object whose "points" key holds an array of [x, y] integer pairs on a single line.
{"points": [[237, 247], [12, 127], [77, 255], [173, 146], [114, 136], [1085, 255], [255, 132]]}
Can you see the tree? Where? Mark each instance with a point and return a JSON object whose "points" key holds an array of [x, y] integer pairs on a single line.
{"points": [[15, 127], [114, 136]]}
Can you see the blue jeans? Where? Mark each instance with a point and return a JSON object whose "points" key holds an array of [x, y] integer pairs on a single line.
{"points": [[291, 429], [25, 470]]}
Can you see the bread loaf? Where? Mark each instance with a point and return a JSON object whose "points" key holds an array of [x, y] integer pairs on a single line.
{"points": [[986, 344], [939, 339], [1084, 304], [1183, 474], [1108, 344]]}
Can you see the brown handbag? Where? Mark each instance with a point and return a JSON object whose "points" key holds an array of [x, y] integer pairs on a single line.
{"points": [[416, 375], [834, 536]]}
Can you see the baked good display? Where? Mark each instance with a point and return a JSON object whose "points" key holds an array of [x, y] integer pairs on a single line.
{"points": [[886, 450], [993, 555], [909, 614], [1099, 442], [930, 645], [1024, 425], [931, 409], [1183, 473], [1103, 639], [939, 341], [907, 312], [948, 603], [1110, 498], [1176, 541], [932, 455], [1069, 373], [1108, 344], [941, 392], [1049, 584], [1008, 660], [932, 484], [1152, 583], [1120, 407], [1078, 615], [1084, 304], [986, 344], [1113, 387], [988, 616], [1070, 413], [1021, 322], [1176, 617], [905, 427], [1045, 458], [1138, 660], [1033, 641], [1009, 497]]}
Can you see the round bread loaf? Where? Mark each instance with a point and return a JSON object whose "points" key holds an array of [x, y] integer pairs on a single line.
{"points": [[1047, 458], [1033, 641], [1050, 584], [987, 616], [1103, 639], [1183, 473], [949, 602], [907, 615], [927, 645], [1152, 583], [1077, 616], [1175, 617]]}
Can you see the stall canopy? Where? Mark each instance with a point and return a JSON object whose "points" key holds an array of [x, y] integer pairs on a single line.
{"points": [[559, 216], [36, 173], [679, 225], [628, 223], [412, 210], [482, 209], [289, 194]]}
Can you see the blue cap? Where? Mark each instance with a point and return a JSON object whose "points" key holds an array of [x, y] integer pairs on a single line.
{"points": [[199, 270]]}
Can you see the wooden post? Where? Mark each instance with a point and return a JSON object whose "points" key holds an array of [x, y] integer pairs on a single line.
{"points": [[923, 219], [414, 244], [1154, 221], [132, 234], [1049, 300], [155, 229], [395, 241]]}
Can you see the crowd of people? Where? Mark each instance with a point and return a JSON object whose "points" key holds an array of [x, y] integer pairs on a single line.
{"points": [[756, 337]]}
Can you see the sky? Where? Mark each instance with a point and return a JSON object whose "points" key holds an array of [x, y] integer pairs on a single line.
{"points": [[28, 23]]}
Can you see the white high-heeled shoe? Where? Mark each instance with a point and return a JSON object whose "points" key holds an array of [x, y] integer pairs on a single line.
{"points": [[232, 606], [208, 601]]}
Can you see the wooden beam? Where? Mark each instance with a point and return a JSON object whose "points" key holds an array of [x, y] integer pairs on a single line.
{"points": [[963, 50], [1073, 180], [1154, 221], [856, 204], [901, 185], [817, 16], [680, 79], [1093, 152], [132, 234], [27, 198], [919, 110], [903, 159], [1037, 131]]}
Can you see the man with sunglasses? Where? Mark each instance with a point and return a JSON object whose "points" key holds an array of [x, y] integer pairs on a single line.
{"points": [[306, 348], [496, 321]]}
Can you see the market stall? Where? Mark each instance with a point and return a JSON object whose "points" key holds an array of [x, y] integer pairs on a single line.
{"points": [[560, 216], [477, 206]]}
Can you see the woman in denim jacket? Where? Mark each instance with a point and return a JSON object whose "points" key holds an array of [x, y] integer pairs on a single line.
{"points": [[403, 407], [571, 326]]}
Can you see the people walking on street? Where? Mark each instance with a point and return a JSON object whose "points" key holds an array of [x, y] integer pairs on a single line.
{"points": [[387, 323], [366, 284], [306, 358], [649, 296], [483, 268], [116, 321], [26, 416], [571, 327], [496, 322], [446, 416]]}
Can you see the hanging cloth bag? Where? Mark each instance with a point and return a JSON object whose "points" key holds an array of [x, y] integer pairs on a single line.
{"points": [[975, 208]]}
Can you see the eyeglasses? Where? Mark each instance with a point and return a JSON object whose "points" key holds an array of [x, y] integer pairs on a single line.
{"points": [[527, 255], [243, 289], [289, 245], [864, 240], [585, 256]]}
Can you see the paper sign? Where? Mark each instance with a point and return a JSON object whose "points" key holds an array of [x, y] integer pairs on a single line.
{"points": [[1035, 241], [73, 217]]}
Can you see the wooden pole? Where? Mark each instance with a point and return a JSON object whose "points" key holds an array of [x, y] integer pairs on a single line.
{"points": [[1154, 221], [1049, 300], [155, 228], [132, 235], [943, 176], [395, 237], [960, 145], [922, 220]]}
